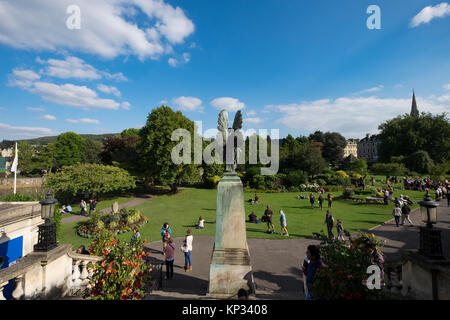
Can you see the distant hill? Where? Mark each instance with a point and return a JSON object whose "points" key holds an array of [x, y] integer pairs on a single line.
{"points": [[52, 139]]}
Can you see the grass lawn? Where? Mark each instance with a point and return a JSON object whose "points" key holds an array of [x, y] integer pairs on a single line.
{"points": [[182, 211]]}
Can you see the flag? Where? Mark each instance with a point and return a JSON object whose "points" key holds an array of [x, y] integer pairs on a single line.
{"points": [[16, 160]]}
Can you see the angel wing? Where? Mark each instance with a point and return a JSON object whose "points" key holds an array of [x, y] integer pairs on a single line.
{"points": [[223, 125], [237, 123]]}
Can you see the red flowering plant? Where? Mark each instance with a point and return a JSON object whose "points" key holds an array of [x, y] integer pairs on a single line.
{"points": [[123, 274], [344, 274]]}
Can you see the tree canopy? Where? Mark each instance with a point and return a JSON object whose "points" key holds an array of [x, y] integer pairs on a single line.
{"points": [[69, 149]]}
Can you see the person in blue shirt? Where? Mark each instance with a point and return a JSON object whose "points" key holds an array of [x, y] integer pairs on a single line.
{"points": [[313, 255], [283, 223], [166, 232], [68, 208]]}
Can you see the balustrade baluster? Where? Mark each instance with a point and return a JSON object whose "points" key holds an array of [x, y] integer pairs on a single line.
{"points": [[76, 281], [2, 285], [18, 292]]}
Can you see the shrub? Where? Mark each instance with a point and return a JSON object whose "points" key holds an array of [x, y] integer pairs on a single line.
{"points": [[344, 274], [348, 193], [122, 275], [18, 197]]}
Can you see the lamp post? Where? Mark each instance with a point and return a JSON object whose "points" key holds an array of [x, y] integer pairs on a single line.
{"points": [[430, 239], [47, 230]]}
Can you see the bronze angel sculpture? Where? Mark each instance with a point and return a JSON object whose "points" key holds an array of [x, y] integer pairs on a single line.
{"points": [[232, 140]]}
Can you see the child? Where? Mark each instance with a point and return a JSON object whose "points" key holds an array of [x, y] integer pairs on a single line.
{"points": [[340, 230]]}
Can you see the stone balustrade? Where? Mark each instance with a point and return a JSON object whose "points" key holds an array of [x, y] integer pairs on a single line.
{"points": [[82, 271]]}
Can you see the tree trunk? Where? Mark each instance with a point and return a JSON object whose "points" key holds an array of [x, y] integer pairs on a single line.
{"points": [[174, 188]]}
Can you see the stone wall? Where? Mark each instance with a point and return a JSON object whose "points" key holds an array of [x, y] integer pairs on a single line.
{"points": [[21, 182]]}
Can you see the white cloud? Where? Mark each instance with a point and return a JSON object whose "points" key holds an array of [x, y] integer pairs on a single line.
{"points": [[254, 120], [172, 62], [83, 120], [12, 132], [73, 67], [227, 103], [186, 57], [251, 113], [352, 117], [108, 28], [446, 86], [373, 89], [126, 105], [35, 109], [429, 13], [188, 103], [109, 89], [48, 117], [73, 95], [22, 78]]}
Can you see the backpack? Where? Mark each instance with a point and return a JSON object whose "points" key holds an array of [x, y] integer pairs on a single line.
{"points": [[166, 235]]}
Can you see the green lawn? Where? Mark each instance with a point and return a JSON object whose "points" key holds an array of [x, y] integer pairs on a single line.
{"points": [[182, 211]]}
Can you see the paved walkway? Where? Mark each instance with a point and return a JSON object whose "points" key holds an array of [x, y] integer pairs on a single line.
{"points": [[276, 263], [134, 202]]}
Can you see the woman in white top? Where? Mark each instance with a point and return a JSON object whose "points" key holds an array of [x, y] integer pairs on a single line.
{"points": [[187, 249]]}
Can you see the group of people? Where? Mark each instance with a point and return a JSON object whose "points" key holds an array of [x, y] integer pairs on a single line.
{"points": [[402, 210], [83, 207], [329, 222], [169, 249], [254, 201], [267, 217], [320, 199]]}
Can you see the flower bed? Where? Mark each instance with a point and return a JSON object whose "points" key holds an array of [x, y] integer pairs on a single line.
{"points": [[116, 223], [368, 200]]}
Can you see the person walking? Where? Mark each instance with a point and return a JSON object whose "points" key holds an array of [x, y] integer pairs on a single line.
{"points": [[92, 205], [340, 230], [169, 252], [268, 214], [405, 213], [320, 201], [312, 199], [166, 232], [330, 200], [397, 212], [187, 249], [283, 223], [83, 207], [313, 255], [329, 221]]}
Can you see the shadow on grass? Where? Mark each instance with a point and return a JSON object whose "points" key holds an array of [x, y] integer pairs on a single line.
{"points": [[206, 209]]}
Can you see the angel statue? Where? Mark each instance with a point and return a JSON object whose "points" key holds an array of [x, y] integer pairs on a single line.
{"points": [[231, 138]]}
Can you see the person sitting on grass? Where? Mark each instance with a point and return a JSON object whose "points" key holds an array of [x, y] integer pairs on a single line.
{"points": [[68, 209], [63, 209], [252, 217], [256, 199], [201, 222]]}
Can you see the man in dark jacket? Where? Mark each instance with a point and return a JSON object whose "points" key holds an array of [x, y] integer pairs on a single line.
{"points": [[405, 214]]}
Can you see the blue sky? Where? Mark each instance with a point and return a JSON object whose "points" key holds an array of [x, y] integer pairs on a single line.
{"points": [[297, 66]]}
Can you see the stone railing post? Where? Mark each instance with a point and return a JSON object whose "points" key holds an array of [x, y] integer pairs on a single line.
{"points": [[2, 285], [18, 292], [84, 276], [76, 281]]}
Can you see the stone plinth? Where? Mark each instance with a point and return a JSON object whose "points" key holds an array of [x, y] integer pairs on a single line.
{"points": [[230, 268]]}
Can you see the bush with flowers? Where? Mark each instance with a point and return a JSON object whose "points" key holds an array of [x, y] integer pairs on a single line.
{"points": [[117, 222], [123, 274], [344, 273]]}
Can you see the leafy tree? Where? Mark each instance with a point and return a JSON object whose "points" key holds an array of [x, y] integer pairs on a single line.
{"points": [[131, 132], [155, 148], [333, 148], [69, 149], [404, 135], [92, 151], [420, 162], [317, 136], [439, 171], [96, 179], [359, 166], [389, 169], [26, 152], [122, 152]]}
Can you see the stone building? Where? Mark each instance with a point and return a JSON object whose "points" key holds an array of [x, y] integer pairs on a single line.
{"points": [[351, 148], [368, 147], [5, 159]]}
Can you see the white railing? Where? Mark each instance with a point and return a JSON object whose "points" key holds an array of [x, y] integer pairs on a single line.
{"points": [[82, 272]]}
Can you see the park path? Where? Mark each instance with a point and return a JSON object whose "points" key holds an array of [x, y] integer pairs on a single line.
{"points": [[137, 200], [276, 263]]}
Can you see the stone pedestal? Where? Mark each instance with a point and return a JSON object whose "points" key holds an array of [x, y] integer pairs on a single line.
{"points": [[230, 268]]}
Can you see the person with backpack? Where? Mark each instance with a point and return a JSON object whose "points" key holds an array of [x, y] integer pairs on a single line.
{"points": [[83, 207], [166, 232], [405, 214], [169, 253], [329, 221], [330, 200]]}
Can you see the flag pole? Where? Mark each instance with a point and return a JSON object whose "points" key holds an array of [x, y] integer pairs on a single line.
{"points": [[15, 172]]}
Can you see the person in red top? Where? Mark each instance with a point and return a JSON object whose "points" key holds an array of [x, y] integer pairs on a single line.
{"points": [[169, 252]]}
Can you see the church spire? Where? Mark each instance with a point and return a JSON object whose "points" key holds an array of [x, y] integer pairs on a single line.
{"points": [[414, 110]]}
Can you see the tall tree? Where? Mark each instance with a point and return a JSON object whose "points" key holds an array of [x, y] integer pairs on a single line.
{"points": [[92, 151], [69, 149], [155, 148], [404, 135], [333, 148]]}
